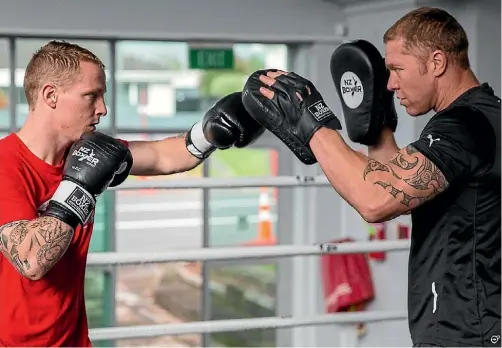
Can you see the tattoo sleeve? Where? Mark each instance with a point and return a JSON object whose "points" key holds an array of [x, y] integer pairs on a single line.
{"points": [[409, 177], [33, 247]]}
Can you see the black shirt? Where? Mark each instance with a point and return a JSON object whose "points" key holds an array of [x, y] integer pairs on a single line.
{"points": [[454, 263]]}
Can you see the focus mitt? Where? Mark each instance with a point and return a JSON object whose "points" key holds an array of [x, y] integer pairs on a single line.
{"points": [[360, 76], [291, 119]]}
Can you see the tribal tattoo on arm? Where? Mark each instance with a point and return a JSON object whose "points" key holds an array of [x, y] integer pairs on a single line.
{"points": [[33, 247], [409, 177]]}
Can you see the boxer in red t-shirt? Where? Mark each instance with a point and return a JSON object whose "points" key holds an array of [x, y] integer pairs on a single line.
{"points": [[51, 173]]}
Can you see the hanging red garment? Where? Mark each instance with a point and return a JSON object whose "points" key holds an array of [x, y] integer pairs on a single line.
{"points": [[347, 281]]}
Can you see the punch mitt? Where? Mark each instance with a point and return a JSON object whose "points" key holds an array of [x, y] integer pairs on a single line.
{"points": [[360, 76], [292, 120]]}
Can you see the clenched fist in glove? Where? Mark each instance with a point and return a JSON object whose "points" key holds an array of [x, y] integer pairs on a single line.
{"points": [[226, 124], [91, 166], [293, 112]]}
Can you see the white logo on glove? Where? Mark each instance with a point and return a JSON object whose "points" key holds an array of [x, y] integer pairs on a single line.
{"points": [[86, 154], [320, 111]]}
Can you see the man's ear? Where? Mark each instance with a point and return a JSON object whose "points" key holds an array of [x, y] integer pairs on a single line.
{"points": [[49, 95], [439, 62]]}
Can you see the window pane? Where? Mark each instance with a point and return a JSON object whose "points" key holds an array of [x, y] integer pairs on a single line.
{"points": [[156, 89], [155, 221], [158, 294], [239, 292], [25, 48], [4, 84], [243, 216], [95, 298], [98, 286]]}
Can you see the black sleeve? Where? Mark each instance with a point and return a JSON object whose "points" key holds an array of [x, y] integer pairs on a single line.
{"points": [[460, 142]]}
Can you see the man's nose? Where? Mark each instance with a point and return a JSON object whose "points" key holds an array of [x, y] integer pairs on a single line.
{"points": [[101, 109], [392, 84]]}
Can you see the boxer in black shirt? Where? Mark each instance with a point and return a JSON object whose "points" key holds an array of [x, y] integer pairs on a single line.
{"points": [[448, 179], [454, 264]]}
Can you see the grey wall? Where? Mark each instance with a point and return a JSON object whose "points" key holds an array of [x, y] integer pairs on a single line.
{"points": [[256, 20]]}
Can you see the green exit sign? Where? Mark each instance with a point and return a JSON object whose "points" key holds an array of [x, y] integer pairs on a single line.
{"points": [[210, 57]]}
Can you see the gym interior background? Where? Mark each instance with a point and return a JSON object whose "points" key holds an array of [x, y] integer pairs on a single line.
{"points": [[156, 88]]}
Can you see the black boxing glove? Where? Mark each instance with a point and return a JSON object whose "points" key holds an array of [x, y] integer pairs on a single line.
{"points": [[90, 167], [225, 125], [292, 120], [123, 172]]}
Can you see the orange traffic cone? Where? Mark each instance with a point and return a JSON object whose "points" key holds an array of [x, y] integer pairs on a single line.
{"points": [[265, 230]]}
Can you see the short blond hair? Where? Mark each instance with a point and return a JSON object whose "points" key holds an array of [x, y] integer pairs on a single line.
{"points": [[426, 29], [57, 62]]}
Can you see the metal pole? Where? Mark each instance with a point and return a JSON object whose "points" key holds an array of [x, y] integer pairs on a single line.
{"points": [[228, 325], [206, 305], [12, 86], [242, 253], [111, 275], [226, 183]]}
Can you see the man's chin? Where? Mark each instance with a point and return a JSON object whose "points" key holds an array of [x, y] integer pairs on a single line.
{"points": [[414, 112], [89, 129]]}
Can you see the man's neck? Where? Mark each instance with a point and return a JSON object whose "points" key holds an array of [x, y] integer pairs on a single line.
{"points": [[457, 84], [45, 142]]}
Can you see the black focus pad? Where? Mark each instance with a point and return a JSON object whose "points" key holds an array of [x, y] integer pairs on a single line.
{"points": [[360, 76], [292, 119]]}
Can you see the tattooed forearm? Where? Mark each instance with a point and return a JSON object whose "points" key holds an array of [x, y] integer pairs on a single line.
{"points": [[374, 166], [18, 233], [33, 247], [400, 162], [405, 199], [11, 236], [57, 237], [414, 180], [427, 177]]}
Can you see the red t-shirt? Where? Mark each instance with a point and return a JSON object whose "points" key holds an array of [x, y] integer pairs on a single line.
{"points": [[50, 311]]}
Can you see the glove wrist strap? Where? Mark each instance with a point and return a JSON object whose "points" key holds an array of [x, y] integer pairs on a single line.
{"points": [[76, 199], [197, 144]]}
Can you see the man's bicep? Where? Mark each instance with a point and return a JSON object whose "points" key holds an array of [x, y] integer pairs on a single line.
{"points": [[145, 156], [416, 178]]}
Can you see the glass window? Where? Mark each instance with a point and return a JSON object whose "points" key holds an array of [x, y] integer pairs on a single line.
{"points": [[4, 84], [95, 298], [25, 48], [155, 221], [239, 292], [98, 283], [243, 217], [156, 89]]}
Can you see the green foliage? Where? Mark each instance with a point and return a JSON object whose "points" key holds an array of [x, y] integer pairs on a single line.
{"points": [[94, 298], [217, 83], [240, 162]]}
